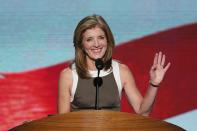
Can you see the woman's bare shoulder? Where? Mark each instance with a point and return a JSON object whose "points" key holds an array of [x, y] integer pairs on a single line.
{"points": [[66, 71], [124, 68], [125, 72], [66, 74]]}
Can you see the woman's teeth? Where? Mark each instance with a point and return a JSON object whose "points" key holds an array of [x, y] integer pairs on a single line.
{"points": [[96, 50]]}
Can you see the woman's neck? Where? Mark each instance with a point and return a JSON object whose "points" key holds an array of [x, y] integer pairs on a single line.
{"points": [[91, 64]]}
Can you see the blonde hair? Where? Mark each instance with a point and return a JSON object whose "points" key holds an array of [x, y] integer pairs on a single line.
{"points": [[80, 56]]}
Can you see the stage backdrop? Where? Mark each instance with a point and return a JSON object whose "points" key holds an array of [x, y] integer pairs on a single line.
{"points": [[36, 44]]}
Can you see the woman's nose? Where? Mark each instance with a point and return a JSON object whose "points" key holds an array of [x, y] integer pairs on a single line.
{"points": [[96, 43]]}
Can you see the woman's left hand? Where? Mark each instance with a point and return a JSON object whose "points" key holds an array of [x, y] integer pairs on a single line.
{"points": [[158, 69]]}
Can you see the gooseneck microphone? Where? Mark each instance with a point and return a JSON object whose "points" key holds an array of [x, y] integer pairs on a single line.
{"points": [[99, 64], [98, 81]]}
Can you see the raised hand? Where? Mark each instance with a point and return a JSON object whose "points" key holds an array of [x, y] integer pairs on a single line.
{"points": [[158, 69]]}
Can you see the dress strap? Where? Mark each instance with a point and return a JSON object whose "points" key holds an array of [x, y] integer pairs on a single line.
{"points": [[75, 81], [116, 72]]}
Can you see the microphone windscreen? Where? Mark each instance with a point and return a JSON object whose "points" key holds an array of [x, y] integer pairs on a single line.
{"points": [[99, 64]]}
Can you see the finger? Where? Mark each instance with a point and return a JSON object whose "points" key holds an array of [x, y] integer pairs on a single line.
{"points": [[155, 59], [167, 67], [153, 67], [163, 60], [159, 58]]}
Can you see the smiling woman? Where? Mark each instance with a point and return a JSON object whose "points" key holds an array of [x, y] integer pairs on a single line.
{"points": [[92, 34], [93, 39], [94, 43]]}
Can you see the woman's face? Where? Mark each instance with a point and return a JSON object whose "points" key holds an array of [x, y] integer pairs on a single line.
{"points": [[94, 43]]}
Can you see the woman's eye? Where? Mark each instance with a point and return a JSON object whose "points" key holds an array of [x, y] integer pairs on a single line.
{"points": [[102, 37], [89, 39]]}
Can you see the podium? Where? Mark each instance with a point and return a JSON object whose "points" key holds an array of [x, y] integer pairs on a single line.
{"points": [[97, 120]]}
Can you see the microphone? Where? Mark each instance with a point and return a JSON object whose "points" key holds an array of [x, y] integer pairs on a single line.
{"points": [[98, 81], [99, 64]]}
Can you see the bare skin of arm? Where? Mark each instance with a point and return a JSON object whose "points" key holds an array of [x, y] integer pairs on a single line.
{"points": [[64, 89], [143, 105]]}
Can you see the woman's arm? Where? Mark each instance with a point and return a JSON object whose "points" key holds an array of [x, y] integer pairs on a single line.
{"points": [[64, 88], [144, 105]]}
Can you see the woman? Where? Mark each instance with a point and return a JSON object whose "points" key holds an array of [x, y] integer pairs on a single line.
{"points": [[93, 39]]}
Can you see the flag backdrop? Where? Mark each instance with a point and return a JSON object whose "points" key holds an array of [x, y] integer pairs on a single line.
{"points": [[36, 44]]}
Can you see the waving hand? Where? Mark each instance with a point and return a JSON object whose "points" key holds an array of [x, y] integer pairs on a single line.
{"points": [[158, 69]]}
